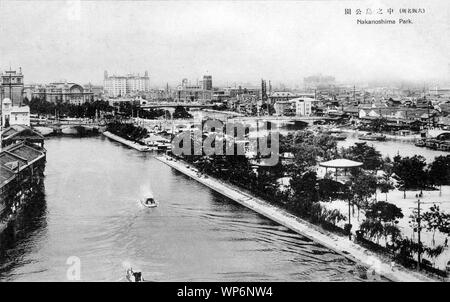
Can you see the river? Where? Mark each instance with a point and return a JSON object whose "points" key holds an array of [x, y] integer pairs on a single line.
{"points": [[393, 147], [90, 210]]}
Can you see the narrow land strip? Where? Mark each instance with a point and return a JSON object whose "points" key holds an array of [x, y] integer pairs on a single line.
{"points": [[344, 247]]}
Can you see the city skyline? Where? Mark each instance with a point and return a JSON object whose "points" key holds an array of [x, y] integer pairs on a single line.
{"points": [[283, 42]]}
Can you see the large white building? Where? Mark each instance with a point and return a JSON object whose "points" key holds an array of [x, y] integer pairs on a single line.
{"points": [[115, 86], [297, 106], [14, 115]]}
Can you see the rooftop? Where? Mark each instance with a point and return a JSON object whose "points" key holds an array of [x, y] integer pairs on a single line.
{"points": [[341, 163]]}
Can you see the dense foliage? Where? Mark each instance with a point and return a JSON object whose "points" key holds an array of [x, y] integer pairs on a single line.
{"points": [[86, 110], [127, 131]]}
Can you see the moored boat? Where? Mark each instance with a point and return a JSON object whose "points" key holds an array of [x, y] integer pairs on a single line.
{"points": [[372, 137], [339, 137], [420, 143]]}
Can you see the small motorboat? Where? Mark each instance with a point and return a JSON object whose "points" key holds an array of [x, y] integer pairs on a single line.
{"points": [[149, 202], [133, 276]]}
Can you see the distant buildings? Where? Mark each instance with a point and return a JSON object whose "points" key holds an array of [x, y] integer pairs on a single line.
{"points": [[62, 92], [188, 92], [115, 86], [12, 86], [278, 96], [318, 81], [207, 82]]}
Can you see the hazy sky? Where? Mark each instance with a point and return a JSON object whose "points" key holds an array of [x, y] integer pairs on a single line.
{"points": [[233, 41]]}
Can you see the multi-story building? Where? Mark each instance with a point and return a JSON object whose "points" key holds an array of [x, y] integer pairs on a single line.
{"points": [[207, 82], [188, 92], [115, 86], [14, 115], [12, 86], [298, 107]]}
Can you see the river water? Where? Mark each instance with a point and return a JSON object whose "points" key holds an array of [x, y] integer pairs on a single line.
{"points": [[90, 210], [393, 147]]}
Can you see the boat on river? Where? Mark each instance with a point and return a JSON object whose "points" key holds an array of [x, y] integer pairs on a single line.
{"points": [[134, 276], [339, 136], [149, 202], [420, 143], [372, 137]]}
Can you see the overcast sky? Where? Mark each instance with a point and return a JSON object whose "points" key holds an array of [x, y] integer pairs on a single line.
{"points": [[231, 40]]}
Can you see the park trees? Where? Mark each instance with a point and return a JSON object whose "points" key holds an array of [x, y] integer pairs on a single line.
{"points": [[439, 171], [368, 155], [381, 220], [434, 219], [362, 187], [385, 184], [410, 172], [181, 112]]}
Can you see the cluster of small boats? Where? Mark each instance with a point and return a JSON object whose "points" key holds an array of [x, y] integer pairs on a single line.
{"points": [[434, 144]]}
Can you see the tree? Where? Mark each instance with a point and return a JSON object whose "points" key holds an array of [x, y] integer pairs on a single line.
{"points": [[308, 147], [378, 125], [363, 186], [435, 220], [304, 187], [364, 153], [381, 219], [409, 172], [385, 184], [439, 171], [180, 112]]}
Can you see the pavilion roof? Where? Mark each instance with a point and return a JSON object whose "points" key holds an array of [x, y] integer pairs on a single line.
{"points": [[341, 163]]}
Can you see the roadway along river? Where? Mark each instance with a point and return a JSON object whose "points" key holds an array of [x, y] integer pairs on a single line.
{"points": [[91, 211]]}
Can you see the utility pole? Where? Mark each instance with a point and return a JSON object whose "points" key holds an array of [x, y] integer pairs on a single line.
{"points": [[418, 235], [349, 220], [354, 94]]}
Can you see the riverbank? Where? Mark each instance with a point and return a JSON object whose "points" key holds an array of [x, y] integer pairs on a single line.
{"points": [[126, 142], [332, 241]]}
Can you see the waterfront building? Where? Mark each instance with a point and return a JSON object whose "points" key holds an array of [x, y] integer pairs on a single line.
{"points": [[400, 114], [18, 133], [14, 115], [303, 106], [62, 92], [284, 108], [21, 176], [12, 86], [115, 86], [297, 106]]}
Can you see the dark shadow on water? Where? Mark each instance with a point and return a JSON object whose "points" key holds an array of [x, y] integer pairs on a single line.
{"points": [[21, 235]]}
